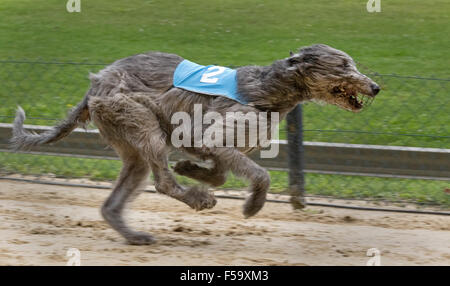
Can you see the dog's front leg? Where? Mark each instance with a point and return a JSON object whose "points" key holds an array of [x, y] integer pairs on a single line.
{"points": [[215, 176], [165, 183], [242, 166]]}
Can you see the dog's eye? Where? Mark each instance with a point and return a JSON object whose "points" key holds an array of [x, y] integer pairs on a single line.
{"points": [[336, 89]]}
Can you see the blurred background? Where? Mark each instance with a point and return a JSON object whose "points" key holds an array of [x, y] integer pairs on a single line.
{"points": [[46, 54]]}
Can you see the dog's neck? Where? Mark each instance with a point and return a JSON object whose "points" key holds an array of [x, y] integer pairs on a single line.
{"points": [[271, 88]]}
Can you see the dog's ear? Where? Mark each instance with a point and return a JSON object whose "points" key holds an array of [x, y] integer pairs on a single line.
{"points": [[299, 62], [291, 53], [301, 58], [294, 59]]}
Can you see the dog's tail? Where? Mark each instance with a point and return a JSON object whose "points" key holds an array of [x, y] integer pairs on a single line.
{"points": [[24, 140]]}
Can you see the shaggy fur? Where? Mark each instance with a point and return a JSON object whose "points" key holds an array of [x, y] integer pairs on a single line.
{"points": [[132, 100]]}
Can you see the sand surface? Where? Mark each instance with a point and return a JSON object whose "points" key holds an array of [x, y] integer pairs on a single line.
{"points": [[39, 223]]}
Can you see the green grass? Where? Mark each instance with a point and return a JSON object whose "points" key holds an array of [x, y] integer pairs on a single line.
{"points": [[409, 37], [416, 191]]}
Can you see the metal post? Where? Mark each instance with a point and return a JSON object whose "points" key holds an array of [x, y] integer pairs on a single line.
{"points": [[296, 157]]}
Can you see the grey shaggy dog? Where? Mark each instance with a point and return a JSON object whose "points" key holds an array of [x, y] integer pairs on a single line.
{"points": [[132, 100]]}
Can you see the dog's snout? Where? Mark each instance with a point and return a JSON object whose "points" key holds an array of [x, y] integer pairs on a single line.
{"points": [[375, 88]]}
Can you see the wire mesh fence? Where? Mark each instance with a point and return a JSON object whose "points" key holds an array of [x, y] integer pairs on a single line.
{"points": [[410, 111]]}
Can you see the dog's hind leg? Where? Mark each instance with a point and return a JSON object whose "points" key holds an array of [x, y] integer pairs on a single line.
{"points": [[133, 172], [130, 128]]}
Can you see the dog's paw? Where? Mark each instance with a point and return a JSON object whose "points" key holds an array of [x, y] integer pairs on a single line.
{"points": [[253, 204], [200, 198], [183, 167], [140, 238]]}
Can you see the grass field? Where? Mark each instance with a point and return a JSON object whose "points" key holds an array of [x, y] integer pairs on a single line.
{"points": [[409, 37]]}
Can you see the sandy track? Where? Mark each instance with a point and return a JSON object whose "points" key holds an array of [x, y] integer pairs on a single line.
{"points": [[39, 223]]}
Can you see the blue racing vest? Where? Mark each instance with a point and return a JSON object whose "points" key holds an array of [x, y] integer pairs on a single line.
{"points": [[212, 80]]}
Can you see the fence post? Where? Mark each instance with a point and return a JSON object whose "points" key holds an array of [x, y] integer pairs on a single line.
{"points": [[296, 157]]}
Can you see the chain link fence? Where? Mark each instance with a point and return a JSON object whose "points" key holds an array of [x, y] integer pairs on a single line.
{"points": [[410, 111]]}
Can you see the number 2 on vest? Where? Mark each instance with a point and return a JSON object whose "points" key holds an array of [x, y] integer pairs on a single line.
{"points": [[208, 77]]}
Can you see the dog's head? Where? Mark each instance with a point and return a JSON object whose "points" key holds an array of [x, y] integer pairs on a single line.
{"points": [[331, 76]]}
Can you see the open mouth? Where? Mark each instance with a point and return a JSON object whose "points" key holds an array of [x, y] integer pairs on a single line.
{"points": [[356, 100]]}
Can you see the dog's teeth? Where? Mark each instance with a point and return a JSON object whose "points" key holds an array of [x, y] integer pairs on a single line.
{"points": [[360, 98]]}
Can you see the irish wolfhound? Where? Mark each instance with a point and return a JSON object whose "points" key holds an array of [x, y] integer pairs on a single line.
{"points": [[132, 100]]}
